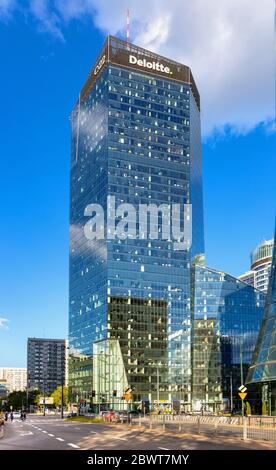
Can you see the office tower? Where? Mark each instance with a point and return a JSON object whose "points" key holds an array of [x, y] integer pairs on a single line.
{"points": [[261, 258], [263, 368], [46, 364], [136, 138], [226, 318], [3, 388], [16, 378]]}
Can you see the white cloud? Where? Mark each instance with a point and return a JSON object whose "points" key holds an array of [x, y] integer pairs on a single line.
{"points": [[6, 8], [4, 323], [229, 45], [47, 18]]}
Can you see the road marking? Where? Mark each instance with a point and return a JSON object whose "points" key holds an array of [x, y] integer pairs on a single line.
{"points": [[28, 433], [59, 439], [45, 432], [77, 429], [73, 445], [39, 429], [52, 435], [163, 448], [120, 438], [93, 432]]}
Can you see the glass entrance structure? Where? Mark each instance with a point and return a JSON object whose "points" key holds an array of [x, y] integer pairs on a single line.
{"points": [[226, 318], [136, 137], [263, 368]]}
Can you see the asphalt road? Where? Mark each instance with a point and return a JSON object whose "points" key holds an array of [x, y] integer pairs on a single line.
{"points": [[52, 433]]}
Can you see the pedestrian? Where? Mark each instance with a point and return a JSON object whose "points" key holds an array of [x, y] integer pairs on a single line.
{"points": [[6, 416], [24, 416], [11, 416]]}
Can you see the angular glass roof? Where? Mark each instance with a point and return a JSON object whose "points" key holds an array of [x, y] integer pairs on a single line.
{"points": [[263, 367]]}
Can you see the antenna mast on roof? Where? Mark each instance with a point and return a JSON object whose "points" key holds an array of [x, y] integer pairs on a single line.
{"points": [[127, 25]]}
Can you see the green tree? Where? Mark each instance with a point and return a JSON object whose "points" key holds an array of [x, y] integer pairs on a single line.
{"points": [[247, 408], [57, 396], [19, 400], [264, 408]]}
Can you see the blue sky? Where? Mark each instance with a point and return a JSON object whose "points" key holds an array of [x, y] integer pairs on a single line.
{"points": [[45, 58]]}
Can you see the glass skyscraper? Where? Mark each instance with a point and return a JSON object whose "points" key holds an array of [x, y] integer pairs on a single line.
{"points": [[226, 318], [263, 368], [136, 137]]}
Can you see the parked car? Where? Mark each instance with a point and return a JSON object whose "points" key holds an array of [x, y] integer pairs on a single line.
{"points": [[16, 414]]}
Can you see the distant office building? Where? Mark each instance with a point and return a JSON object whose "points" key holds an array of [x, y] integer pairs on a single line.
{"points": [[135, 137], [46, 364], [248, 278], [3, 388], [263, 368], [261, 258], [226, 317], [16, 378]]}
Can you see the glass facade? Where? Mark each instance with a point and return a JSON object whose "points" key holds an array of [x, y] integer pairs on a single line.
{"points": [[227, 314], [263, 368], [135, 136]]}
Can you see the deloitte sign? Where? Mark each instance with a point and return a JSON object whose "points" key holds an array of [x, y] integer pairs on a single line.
{"points": [[149, 65]]}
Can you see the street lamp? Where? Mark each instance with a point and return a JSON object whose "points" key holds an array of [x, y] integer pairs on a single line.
{"points": [[62, 380]]}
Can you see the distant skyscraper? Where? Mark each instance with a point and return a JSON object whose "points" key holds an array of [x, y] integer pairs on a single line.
{"points": [[136, 137], [46, 364], [16, 378], [226, 318], [261, 259], [263, 368]]}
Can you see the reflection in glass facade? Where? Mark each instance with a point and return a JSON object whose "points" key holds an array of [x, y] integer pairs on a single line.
{"points": [[135, 136], [263, 368], [226, 319]]}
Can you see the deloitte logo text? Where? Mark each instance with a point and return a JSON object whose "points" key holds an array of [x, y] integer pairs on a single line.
{"points": [[99, 65], [149, 65]]}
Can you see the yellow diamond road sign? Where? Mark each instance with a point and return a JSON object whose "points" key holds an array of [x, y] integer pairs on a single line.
{"points": [[242, 395]]}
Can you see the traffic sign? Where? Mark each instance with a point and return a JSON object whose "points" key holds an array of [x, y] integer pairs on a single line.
{"points": [[242, 395], [242, 389]]}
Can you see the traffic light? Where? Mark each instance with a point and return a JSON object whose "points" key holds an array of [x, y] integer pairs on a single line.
{"points": [[93, 393], [114, 394]]}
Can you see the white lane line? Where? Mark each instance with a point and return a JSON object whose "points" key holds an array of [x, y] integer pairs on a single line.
{"points": [[59, 439], [45, 432], [39, 429], [73, 445], [77, 429], [93, 432], [120, 438], [162, 448], [52, 435]]}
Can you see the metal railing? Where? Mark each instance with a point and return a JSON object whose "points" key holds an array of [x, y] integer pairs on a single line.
{"points": [[255, 428]]}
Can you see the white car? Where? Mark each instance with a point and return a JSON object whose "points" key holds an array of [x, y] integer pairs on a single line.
{"points": [[16, 415]]}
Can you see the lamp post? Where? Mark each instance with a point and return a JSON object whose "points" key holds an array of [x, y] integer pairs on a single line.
{"points": [[231, 393], [62, 380], [44, 393]]}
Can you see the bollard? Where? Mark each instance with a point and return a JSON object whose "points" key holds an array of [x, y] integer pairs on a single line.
{"points": [[216, 427], [198, 425], [179, 425], [244, 433]]}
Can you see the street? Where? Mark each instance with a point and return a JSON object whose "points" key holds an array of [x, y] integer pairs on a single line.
{"points": [[53, 433]]}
